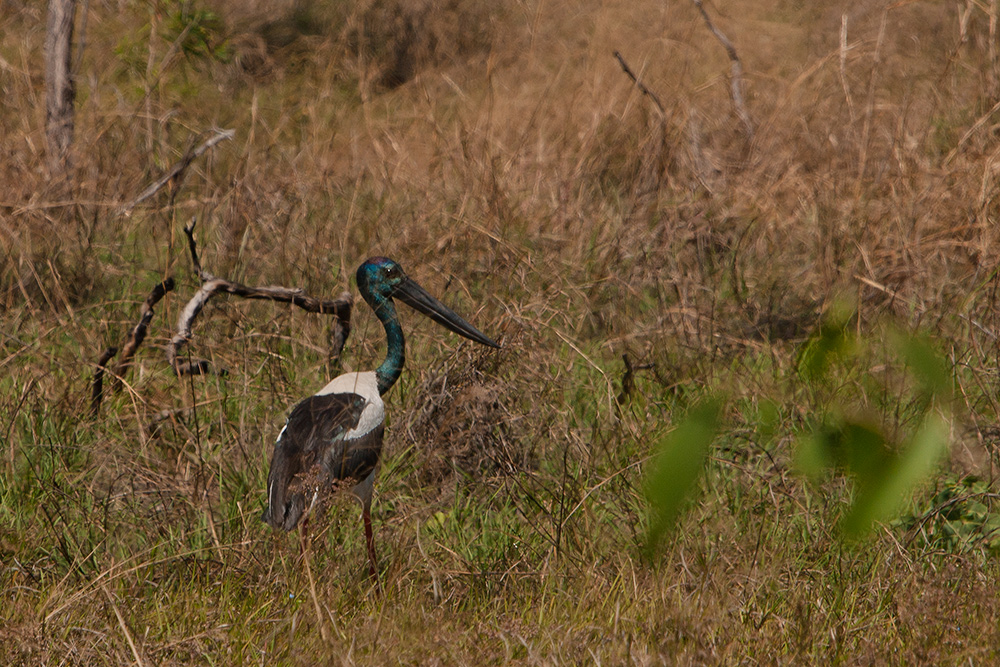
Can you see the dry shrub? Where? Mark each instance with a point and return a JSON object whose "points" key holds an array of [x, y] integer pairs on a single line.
{"points": [[382, 43], [252, 60], [396, 39], [463, 421]]}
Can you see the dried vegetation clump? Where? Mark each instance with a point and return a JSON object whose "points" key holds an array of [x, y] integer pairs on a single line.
{"points": [[465, 422], [378, 44]]}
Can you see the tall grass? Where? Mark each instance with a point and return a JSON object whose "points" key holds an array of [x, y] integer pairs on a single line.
{"points": [[502, 156]]}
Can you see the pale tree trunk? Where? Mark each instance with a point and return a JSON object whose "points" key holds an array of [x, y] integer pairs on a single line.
{"points": [[60, 90]]}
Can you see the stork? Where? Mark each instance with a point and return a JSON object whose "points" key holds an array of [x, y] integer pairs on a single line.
{"points": [[334, 437]]}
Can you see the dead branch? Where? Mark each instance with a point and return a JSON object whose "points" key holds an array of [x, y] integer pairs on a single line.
{"points": [[736, 80], [640, 85], [340, 308], [176, 173], [628, 380], [97, 386], [843, 66], [60, 89], [651, 166], [138, 333], [339, 331], [203, 275], [132, 343]]}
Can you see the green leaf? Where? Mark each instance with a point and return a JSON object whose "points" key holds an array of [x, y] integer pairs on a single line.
{"points": [[768, 420], [853, 446], [677, 464], [812, 456], [880, 493], [831, 342], [927, 365]]}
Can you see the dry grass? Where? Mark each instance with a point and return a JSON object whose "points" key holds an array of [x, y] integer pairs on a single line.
{"points": [[503, 157]]}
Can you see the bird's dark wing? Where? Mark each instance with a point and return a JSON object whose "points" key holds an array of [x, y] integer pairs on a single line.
{"points": [[315, 434]]}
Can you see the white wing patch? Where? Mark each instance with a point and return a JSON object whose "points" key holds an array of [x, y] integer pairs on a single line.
{"points": [[366, 386]]}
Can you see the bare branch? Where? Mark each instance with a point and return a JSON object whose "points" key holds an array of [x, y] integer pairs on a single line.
{"points": [[183, 335], [340, 308], [642, 87], [132, 343], [339, 331], [97, 386], [628, 380], [736, 80], [60, 89], [176, 173], [138, 333], [843, 66], [203, 276], [652, 168]]}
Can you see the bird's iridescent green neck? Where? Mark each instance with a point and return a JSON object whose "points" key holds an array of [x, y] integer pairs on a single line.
{"points": [[395, 355]]}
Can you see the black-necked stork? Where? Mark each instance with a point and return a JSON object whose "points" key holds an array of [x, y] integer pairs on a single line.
{"points": [[335, 436]]}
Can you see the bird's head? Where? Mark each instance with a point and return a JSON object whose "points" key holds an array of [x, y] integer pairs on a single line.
{"points": [[380, 279]]}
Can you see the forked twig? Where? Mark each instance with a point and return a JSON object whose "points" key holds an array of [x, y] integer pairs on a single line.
{"points": [[844, 48], [651, 166], [176, 172], [628, 380], [340, 308], [639, 84], [138, 333], [97, 385], [736, 80], [132, 343]]}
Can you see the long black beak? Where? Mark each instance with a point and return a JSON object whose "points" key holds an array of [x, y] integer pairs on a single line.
{"points": [[416, 297]]}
